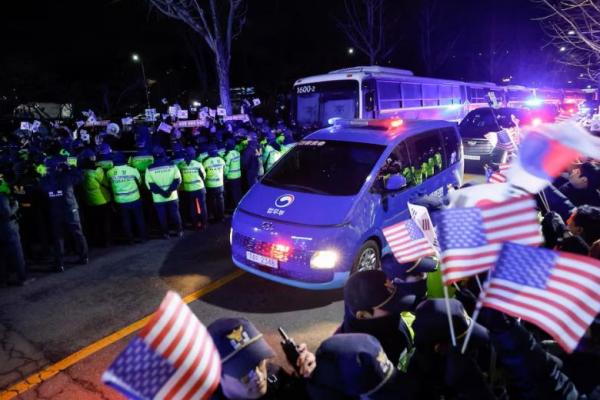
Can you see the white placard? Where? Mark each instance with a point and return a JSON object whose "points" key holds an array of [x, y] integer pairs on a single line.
{"points": [[84, 135], [203, 114], [127, 121], [182, 114], [150, 114], [35, 126], [212, 112], [79, 124], [256, 102], [221, 111], [172, 111], [165, 127], [25, 126]]}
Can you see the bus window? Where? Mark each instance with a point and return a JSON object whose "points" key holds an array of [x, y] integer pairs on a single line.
{"points": [[445, 95], [316, 103], [411, 95], [430, 95], [390, 95]]}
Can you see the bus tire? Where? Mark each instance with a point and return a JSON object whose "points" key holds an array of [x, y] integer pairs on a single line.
{"points": [[367, 258]]}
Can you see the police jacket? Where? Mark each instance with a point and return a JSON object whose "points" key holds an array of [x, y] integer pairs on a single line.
{"points": [[58, 188], [532, 373], [8, 215]]}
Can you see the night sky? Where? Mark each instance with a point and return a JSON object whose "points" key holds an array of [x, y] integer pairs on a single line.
{"points": [[79, 51]]}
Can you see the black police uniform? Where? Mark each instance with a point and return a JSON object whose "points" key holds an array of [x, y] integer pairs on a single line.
{"points": [[63, 209], [10, 242]]}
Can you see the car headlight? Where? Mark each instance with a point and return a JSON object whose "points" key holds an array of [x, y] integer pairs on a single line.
{"points": [[230, 236], [324, 259]]}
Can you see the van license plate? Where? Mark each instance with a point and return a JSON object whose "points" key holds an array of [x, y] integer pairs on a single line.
{"points": [[262, 260], [468, 157]]}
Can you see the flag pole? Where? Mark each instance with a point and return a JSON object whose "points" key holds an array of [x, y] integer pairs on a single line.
{"points": [[447, 298], [474, 318]]}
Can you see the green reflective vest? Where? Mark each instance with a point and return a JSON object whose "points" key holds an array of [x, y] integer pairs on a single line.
{"points": [[221, 152], [202, 156], [163, 176], [266, 150], [96, 187], [215, 171], [124, 181], [141, 163], [105, 164], [191, 175], [72, 161], [274, 155], [234, 169]]}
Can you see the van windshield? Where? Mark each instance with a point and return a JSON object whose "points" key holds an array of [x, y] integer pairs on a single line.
{"points": [[316, 103], [325, 167]]}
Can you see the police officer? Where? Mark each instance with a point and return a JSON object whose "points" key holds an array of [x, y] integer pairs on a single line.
{"points": [[10, 240], [233, 177], [163, 179], [142, 158], [193, 190], [251, 164], [58, 186], [104, 159], [247, 371], [215, 168], [98, 200], [178, 153], [125, 182], [273, 155]]}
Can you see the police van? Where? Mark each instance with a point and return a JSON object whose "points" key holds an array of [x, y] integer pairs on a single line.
{"points": [[318, 214]]}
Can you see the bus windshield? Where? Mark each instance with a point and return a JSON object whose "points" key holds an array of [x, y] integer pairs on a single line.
{"points": [[325, 167], [316, 103]]}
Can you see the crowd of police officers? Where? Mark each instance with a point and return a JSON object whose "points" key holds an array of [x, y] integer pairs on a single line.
{"points": [[62, 187]]}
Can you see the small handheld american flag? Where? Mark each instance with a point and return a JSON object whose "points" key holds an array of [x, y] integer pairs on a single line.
{"points": [[505, 141], [498, 176], [173, 357], [407, 241], [559, 292], [471, 238]]}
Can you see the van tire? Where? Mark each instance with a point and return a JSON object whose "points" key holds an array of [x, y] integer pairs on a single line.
{"points": [[369, 255]]}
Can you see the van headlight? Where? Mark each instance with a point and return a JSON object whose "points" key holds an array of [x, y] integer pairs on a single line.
{"points": [[324, 259], [230, 236]]}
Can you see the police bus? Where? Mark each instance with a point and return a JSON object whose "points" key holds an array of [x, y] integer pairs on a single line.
{"points": [[373, 92]]}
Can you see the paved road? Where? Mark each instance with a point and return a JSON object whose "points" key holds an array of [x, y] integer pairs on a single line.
{"points": [[60, 314]]}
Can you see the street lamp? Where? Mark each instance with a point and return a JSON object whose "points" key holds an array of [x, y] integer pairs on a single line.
{"points": [[571, 33], [136, 58], [350, 50], [562, 48]]}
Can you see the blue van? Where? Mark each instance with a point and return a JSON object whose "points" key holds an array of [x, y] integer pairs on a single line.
{"points": [[317, 215]]}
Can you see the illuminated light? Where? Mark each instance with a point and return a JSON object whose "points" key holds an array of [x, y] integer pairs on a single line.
{"points": [[135, 57], [230, 236], [324, 259], [333, 120], [536, 122], [196, 103], [571, 32], [454, 107], [280, 251], [350, 50], [589, 86], [571, 110], [396, 123], [562, 48], [534, 102]]}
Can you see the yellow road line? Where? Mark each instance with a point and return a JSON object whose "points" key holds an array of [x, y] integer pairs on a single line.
{"points": [[50, 371]]}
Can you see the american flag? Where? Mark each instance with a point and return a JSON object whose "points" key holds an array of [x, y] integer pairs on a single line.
{"points": [[498, 175], [407, 241], [505, 141], [559, 292], [173, 357], [471, 238]]}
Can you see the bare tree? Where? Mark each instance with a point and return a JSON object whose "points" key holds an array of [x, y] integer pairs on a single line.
{"points": [[436, 45], [364, 26], [218, 22], [573, 26]]}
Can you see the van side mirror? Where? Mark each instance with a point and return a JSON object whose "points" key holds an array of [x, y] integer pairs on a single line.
{"points": [[370, 101], [395, 183]]}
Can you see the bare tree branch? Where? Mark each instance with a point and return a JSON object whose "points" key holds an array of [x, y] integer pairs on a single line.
{"points": [[218, 22], [573, 26]]}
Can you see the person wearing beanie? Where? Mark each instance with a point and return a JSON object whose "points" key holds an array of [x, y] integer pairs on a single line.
{"points": [[162, 179], [233, 177], [125, 182], [104, 158], [193, 188], [216, 169]]}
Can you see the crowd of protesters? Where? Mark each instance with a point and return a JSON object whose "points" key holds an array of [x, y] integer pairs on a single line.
{"points": [[394, 342], [66, 186]]}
